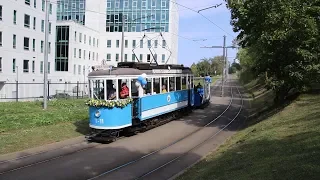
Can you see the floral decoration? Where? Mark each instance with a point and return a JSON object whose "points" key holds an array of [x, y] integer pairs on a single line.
{"points": [[121, 103]]}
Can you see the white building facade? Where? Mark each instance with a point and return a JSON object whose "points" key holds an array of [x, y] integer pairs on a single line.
{"points": [[22, 36], [82, 34]]}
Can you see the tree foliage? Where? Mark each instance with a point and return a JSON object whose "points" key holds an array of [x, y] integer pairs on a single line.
{"points": [[280, 37], [208, 66]]}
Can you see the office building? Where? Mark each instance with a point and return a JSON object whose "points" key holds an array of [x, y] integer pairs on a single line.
{"points": [[82, 34]]}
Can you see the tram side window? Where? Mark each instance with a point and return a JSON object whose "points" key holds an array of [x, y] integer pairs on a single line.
{"points": [[164, 88], [124, 89], [171, 84], [178, 83], [156, 86], [184, 82], [97, 86], [134, 89], [147, 89]]}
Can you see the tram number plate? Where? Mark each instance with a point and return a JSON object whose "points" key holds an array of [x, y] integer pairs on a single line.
{"points": [[99, 121]]}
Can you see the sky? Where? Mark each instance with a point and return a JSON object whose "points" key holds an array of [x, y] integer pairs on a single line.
{"points": [[193, 26]]}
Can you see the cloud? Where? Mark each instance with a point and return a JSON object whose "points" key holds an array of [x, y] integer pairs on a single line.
{"points": [[200, 4]]}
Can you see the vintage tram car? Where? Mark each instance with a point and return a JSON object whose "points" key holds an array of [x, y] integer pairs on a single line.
{"points": [[135, 97]]}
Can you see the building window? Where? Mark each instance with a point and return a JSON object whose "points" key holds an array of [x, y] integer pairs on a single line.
{"points": [[133, 43], [126, 43], [74, 69], [27, 2], [49, 68], [133, 57], [42, 25], [26, 43], [42, 5], [84, 54], [117, 43], [33, 44], [14, 41], [89, 55], [49, 27], [148, 57], [62, 48], [97, 42], [85, 39], [79, 69], [164, 43], [42, 46], [34, 23], [74, 52], [50, 8], [0, 38], [97, 56], [35, 3], [155, 57], [26, 21], [0, 13], [149, 43], [108, 43], [25, 65], [155, 43], [80, 37], [94, 42], [80, 53], [14, 17], [0, 64], [75, 36], [141, 43], [90, 40], [117, 57], [92, 55], [125, 57], [33, 66], [163, 3], [163, 58], [134, 3], [108, 57], [49, 48], [141, 57], [41, 67], [13, 65]]}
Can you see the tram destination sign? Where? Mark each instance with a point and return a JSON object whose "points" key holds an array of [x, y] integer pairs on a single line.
{"points": [[166, 71]]}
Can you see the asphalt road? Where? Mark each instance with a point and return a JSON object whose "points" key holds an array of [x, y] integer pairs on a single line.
{"points": [[101, 158]]}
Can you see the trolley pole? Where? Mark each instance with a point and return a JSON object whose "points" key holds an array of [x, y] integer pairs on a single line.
{"points": [[122, 38], [45, 79]]}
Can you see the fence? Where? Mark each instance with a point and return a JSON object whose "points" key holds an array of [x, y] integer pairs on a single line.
{"points": [[34, 91]]}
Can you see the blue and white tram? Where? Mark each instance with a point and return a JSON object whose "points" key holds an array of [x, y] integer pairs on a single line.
{"points": [[154, 95]]}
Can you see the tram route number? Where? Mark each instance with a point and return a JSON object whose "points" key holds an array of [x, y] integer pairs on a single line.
{"points": [[99, 121]]}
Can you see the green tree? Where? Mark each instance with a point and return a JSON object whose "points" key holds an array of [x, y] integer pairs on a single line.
{"points": [[283, 37]]}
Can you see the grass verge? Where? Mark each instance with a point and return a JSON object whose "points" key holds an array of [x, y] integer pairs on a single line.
{"points": [[284, 146], [26, 125]]}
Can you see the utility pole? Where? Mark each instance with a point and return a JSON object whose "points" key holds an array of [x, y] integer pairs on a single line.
{"points": [[224, 47], [46, 39], [223, 67], [122, 38]]}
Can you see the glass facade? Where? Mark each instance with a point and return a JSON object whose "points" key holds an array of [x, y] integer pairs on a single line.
{"points": [[140, 15], [71, 10], [62, 48]]}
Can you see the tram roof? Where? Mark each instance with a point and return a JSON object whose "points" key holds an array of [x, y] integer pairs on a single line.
{"points": [[133, 68]]}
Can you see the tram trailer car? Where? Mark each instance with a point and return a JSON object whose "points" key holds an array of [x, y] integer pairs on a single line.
{"points": [[157, 95]]}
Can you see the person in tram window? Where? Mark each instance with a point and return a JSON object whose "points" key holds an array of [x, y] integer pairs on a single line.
{"points": [[164, 88], [111, 92], [124, 93]]}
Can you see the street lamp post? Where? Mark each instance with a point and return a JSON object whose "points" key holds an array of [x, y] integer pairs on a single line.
{"points": [[17, 84]]}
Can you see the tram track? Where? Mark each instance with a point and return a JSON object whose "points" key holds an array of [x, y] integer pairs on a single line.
{"points": [[96, 145], [102, 175]]}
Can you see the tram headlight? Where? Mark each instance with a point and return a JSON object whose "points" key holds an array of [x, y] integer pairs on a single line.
{"points": [[97, 114]]}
